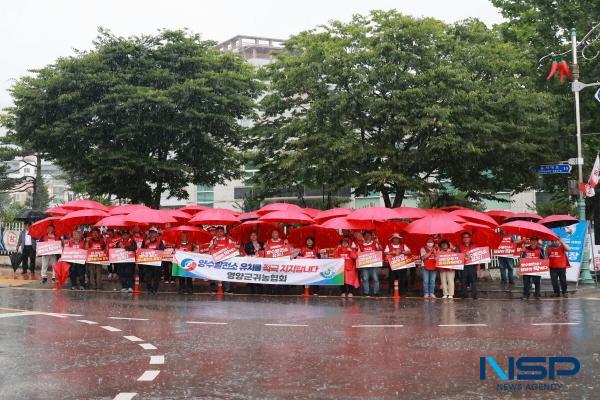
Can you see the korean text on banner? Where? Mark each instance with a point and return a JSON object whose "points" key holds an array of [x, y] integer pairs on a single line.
{"points": [[168, 254], [478, 255], [368, 259], [74, 255], [450, 260], [401, 262], [274, 271], [534, 266], [48, 248], [149, 257], [574, 236], [225, 253], [118, 256], [278, 252], [97, 256]]}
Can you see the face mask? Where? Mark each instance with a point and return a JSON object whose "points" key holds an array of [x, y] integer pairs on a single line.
{"points": [[430, 245]]}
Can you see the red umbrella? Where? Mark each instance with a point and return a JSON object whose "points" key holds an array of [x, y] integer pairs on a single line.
{"points": [[113, 221], [475, 216], [453, 208], [127, 209], [215, 216], [194, 208], [241, 233], [555, 221], [248, 215], [312, 212], [526, 216], [499, 215], [57, 211], [375, 213], [149, 217], [87, 216], [324, 237], [61, 270], [410, 212], [278, 207], [344, 224], [384, 230], [287, 217], [84, 204], [436, 211], [332, 213], [441, 224], [40, 228], [528, 229], [482, 235], [179, 215], [194, 234]]}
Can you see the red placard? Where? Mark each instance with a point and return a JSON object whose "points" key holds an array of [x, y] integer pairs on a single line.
{"points": [[149, 257], [225, 253], [74, 255], [450, 260], [401, 262], [534, 266], [48, 248], [117, 256], [278, 252], [368, 259], [168, 254], [97, 256], [478, 255]]}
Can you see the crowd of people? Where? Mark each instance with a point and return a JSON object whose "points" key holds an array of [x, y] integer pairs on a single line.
{"points": [[366, 280]]}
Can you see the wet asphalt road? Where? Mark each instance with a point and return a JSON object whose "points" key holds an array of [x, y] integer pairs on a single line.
{"points": [[250, 347]]}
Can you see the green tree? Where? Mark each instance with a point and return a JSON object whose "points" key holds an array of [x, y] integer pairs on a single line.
{"points": [[138, 116], [389, 103]]}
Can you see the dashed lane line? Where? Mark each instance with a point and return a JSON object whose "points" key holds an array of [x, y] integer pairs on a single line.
{"points": [[147, 346], [378, 326], [460, 325], [290, 325], [206, 323], [157, 360], [554, 323], [85, 321], [133, 338], [129, 319], [125, 396], [148, 375], [110, 328]]}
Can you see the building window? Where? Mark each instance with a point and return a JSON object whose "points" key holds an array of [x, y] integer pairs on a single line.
{"points": [[26, 171], [205, 195]]}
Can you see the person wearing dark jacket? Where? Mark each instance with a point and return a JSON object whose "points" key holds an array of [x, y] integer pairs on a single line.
{"points": [[26, 246], [127, 270], [253, 249]]}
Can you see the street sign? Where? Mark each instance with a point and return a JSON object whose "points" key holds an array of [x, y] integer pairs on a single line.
{"points": [[597, 95], [553, 169]]}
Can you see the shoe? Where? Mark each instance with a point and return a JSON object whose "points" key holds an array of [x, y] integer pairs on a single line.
{"points": [[511, 283], [426, 296], [432, 296], [350, 295], [556, 295], [129, 290], [44, 280], [444, 297], [474, 297], [73, 287], [81, 288], [315, 294], [124, 290], [537, 297], [525, 298], [450, 297], [565, 294], [343, 294]]}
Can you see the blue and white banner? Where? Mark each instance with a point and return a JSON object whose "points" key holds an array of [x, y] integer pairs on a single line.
{"points": [[573, 236]]}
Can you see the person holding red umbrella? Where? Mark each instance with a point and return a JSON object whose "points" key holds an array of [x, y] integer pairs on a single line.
{"points": [[275, 243], [95, 242], [533, 250], [370, 273], [469, 273], [111, 239], [50, 259], [127, 270], [428, 255], [186, 284], [76, 270], [351, 281], [152, 273], [397, 247], [558, 262], [221, 241], [506, 264], [310, 250], [446, 274]]}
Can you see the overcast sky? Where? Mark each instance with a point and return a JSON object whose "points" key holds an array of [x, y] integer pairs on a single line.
{"points": [[35, 33]]}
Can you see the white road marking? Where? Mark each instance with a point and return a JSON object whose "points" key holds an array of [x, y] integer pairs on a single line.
{"points": [[155, 360], [147, 346], [285, 325], [555, 323], [130, 319], [206, 323], [377, 326], [125, 396], [133, 338], [148, 375], [459, 325], [111, 328], [67, 315], [85, 321], [19, 314]]}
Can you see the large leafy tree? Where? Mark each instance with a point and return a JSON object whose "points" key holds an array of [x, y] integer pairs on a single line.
{"points": [[138, 116], [391, 103]]}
